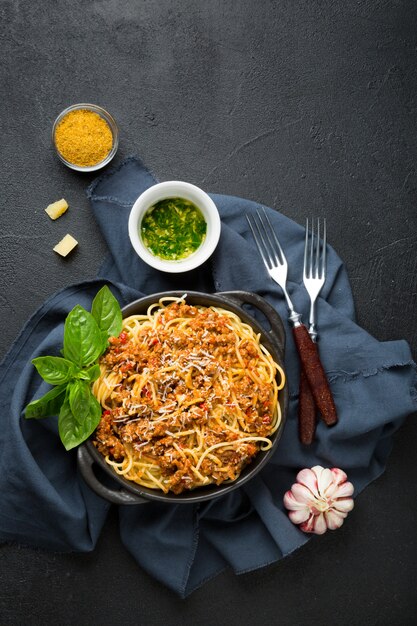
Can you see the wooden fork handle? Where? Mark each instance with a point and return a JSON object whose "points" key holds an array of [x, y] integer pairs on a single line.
{"points": [[307, 412], [315, 374]]}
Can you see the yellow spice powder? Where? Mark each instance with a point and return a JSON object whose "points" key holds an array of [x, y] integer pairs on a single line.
{"points": [[83, 138]]}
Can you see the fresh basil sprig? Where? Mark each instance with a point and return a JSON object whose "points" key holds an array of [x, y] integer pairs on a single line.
{"points": [[85, 339]]}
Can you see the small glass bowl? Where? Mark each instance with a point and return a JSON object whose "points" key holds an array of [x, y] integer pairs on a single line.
{"points": [[113, 127]]}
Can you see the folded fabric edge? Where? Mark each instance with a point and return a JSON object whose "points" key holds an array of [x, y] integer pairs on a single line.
{"points": [[194, 546], [114, 170], [112, 200], [346, 377], [366, 373], [196, 587], [187, 592]]}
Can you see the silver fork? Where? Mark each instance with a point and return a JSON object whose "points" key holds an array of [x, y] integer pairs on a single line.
{"points": [[272, 255], [314, 270], [276, 264]]}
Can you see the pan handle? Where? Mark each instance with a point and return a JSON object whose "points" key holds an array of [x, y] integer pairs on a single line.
{"points": [[277, 331], [116, 496]]}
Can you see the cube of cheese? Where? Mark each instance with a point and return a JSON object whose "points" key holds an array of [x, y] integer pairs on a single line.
{"points": [[56, 209], [65, 246]]}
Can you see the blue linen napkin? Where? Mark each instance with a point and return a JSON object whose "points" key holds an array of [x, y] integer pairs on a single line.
{"points": [[45, 503]]}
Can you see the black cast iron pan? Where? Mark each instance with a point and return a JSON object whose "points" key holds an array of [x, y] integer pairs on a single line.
{"points": [[128, 492]]}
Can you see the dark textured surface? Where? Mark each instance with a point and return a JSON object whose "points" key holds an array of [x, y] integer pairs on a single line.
{"points": [[309, 107]]}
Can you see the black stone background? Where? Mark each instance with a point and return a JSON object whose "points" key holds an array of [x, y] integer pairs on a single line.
{"points": [[306, 106]]}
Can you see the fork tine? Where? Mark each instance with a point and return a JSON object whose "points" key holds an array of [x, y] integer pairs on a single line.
{"points": [[310, 250], [259, 240], [318, 247], [263, 234], [266, 240], [315, 248], [274, 245], [316, 272], [323, 254], [306, 247]]}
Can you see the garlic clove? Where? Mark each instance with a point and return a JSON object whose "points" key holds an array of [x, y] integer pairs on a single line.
{"points": [[302, 493], [320, 524], [345, 490], [339, 475], [291, 502], [308, 525], [331, 491], [345, 505], [315, 524], [334, 519], [309, 479], [325, 480], [299, 516]]}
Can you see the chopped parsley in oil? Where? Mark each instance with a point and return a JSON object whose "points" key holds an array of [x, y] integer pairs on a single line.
{"points": [[173, 228]]}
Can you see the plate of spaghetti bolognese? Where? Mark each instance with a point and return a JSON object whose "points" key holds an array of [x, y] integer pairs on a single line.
{"points": [[194, 398]]}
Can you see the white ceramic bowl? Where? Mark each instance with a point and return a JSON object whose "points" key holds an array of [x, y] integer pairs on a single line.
{"points": [[175, 189]]}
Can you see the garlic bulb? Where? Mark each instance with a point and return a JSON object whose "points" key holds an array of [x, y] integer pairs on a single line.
{"points": [[320, 499]]}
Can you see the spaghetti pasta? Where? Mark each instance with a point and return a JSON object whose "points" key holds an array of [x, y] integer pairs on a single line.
{"points": [[189, 397]]}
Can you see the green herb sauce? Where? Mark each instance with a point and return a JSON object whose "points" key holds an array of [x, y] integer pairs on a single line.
{"points": [[173, 228]]}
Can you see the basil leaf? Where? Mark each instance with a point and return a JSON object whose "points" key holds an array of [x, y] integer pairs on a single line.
{"points": [[54, 369], [48, 405], [90, 374], [83, 342], [73, 433], [95, 410], [79, 399], [105, 341], [107, 313]]}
